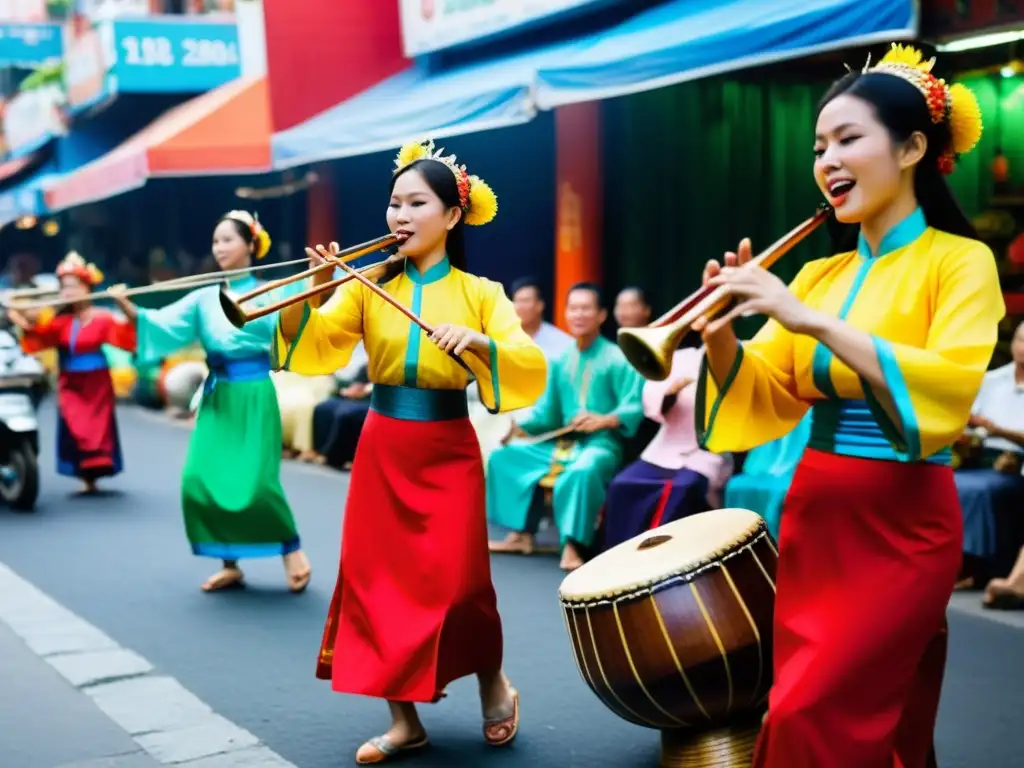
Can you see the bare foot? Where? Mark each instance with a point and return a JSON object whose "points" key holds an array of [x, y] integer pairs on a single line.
{"points": [[309, 457], [296, 566], [90, 487], [571, 559], [515, 543], [225, 578]]}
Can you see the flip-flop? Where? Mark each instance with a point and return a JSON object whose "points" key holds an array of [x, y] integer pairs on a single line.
{"points": [[384, 750], [499, 733]]}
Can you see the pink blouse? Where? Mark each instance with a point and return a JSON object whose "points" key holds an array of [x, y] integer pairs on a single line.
{"points": [[675, 445]]}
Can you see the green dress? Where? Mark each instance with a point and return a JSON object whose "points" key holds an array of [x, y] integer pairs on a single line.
{"points": [[231, 492], [599, 380]]}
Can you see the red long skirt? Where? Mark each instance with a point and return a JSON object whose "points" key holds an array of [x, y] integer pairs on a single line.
{"points": [[868, 555], [87, 439], [414, 607]]}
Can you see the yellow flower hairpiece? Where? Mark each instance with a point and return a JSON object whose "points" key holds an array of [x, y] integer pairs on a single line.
{"points": [[476, 198], [954, 104], [260, 235], [74, 265]]}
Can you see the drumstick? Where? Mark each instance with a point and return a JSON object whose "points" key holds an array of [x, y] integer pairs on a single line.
{"points": [[543, 437]]}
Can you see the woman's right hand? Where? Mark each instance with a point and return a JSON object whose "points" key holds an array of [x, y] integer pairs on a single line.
{"points": [[741, 256], [322, 255]]}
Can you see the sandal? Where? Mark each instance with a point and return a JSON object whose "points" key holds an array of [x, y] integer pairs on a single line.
{"points": [[500, 732], [225, 578], [379, 749]]}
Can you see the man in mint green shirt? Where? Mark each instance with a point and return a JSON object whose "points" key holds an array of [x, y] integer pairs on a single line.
{"points": [[594, 390]]}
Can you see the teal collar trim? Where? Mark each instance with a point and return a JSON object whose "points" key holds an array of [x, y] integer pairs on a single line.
{"points": [[900, 236], [241, 283], [432, 275]]}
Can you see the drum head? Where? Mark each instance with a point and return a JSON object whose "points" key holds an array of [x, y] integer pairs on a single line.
{"points": [[677, 548]]}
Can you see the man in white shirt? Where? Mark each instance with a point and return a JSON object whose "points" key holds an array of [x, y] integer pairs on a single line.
{"points": [[529, 303], [989, 485]]}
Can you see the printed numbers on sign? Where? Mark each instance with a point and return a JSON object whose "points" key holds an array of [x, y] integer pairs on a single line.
{"points": [[209, 53], [148, 51]]}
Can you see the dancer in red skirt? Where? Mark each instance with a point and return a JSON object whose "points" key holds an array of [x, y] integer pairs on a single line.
{"points": [[886, 343], [414, 606], [87, 441]]}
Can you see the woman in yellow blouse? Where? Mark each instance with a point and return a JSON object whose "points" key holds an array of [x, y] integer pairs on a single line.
{"points": [[885, 343], [414, 607]]}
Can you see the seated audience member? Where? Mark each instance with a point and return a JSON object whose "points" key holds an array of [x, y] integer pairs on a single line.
{"points": [[632, 309], [673, 477], [988, 480], [1007, 594], [338, 422], [592, 393], [528, 298], [297, 397], [767, 474]]}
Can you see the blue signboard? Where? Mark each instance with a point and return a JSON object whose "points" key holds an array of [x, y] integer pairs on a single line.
{"points": [[168, 55], [28, 45]]}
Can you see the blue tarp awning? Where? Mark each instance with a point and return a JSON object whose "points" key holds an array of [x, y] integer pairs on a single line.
{"points": [[416, 103], [680, 40], [26, 198], [690, 39]]}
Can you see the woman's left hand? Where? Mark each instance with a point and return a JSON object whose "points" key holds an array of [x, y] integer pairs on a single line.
{"points": [[759, 292], [457, 338]]}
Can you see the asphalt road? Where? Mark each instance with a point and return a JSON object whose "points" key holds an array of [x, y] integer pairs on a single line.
{"points": [[120, 562]]}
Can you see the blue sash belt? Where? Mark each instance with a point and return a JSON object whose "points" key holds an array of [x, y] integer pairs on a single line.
{"points": [[235, 370], [413, 404], [71, 362], [848, 428]]}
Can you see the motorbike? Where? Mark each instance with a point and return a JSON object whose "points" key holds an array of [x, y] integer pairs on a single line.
{"points": [[21, 379]]}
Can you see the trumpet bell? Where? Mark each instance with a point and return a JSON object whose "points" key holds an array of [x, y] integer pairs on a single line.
{"points": [[649, 350], [232, 309]]}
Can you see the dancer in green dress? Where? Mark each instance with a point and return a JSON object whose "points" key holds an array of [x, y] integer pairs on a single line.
{"points": [[233, 502]]}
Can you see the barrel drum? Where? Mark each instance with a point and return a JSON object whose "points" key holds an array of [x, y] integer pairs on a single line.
{"points": [[672, 630]]}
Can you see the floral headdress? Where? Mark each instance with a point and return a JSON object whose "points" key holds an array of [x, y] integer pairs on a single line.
{"points": [[75, 266], [260, 236], [953, 104], [476, 198]]}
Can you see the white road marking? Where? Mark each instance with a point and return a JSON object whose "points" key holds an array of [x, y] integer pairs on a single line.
{"points": [[165, 719]]}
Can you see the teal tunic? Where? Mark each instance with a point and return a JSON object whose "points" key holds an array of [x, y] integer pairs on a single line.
{"points": [[233, 502], [598, 380]]}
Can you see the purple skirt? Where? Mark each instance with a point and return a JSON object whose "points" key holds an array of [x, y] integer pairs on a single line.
{"points": [[644, 496]]}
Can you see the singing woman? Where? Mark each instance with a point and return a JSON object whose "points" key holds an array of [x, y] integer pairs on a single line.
{"points": [[233, 502], [886, 343], [414, 607], [88, 446]]}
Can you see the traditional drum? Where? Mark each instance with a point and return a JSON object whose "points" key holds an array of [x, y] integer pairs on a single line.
{"points": [[673, 630]]}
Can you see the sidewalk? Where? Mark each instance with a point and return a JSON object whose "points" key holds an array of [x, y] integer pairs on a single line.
{"points": [[46, 723]]}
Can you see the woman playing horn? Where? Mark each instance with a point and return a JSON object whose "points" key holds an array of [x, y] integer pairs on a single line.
{"points": [[886, 343], [87, 441], [414, 607], [233, 502]]}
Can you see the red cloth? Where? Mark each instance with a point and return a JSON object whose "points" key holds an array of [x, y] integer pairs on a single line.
{"points": [[868, 556], [414, 607], [87, 442]]}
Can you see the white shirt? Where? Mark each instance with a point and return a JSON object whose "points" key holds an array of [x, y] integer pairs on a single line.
{"points": [[1001, 401], [552, 341]]}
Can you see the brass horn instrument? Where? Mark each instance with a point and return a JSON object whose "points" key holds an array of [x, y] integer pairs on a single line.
{"points": [[649, 349], [231, 304]]}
